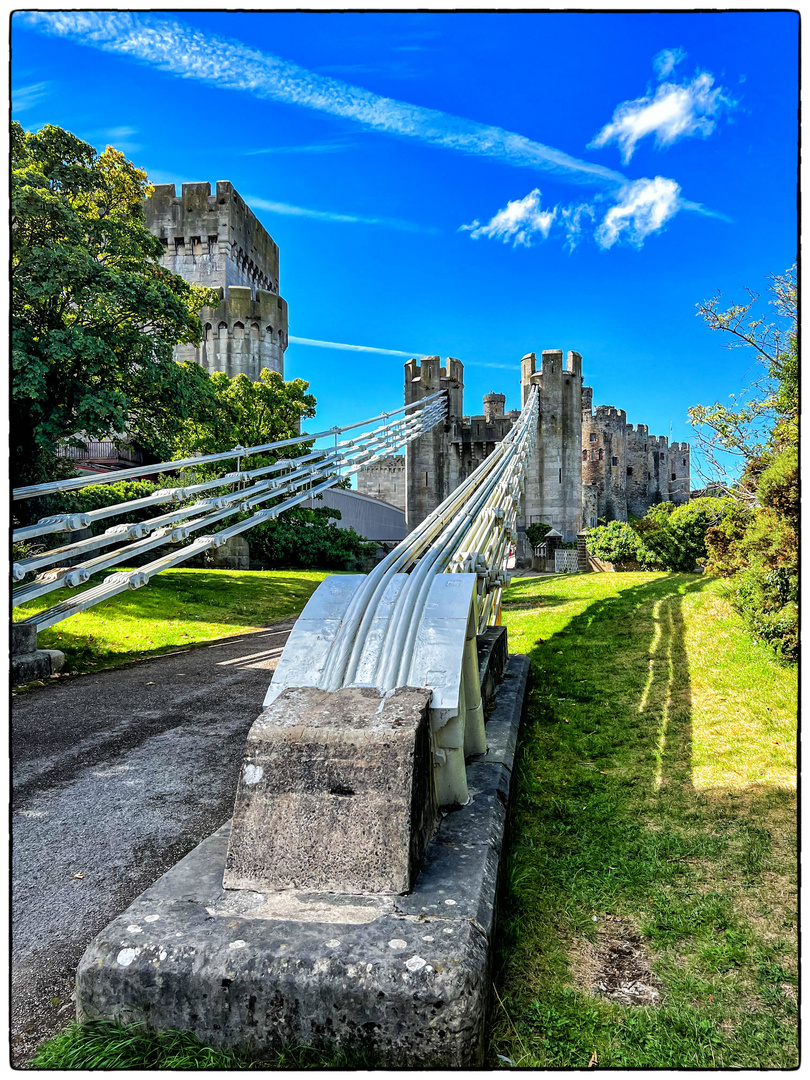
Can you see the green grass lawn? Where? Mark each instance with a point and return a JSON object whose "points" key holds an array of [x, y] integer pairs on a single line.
{"points": [[652, 840], [177, 608], [653, 837]]}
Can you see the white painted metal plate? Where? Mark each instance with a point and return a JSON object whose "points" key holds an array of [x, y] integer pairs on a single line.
{"points": [[308, 645]]}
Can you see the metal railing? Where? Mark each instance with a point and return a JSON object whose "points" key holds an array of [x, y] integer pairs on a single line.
{"points": [[290, 480]]}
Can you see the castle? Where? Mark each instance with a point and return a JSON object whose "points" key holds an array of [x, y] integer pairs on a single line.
{"points": [[587, 463], [217, 240]]}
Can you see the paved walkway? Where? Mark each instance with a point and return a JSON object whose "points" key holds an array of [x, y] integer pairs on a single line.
{"points": [[116, 776]]}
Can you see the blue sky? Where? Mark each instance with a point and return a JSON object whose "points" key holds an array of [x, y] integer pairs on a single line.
{"points": [[475, 185]]}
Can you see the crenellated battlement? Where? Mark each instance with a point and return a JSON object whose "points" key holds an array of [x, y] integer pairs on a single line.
{"points": [[216, 240]]}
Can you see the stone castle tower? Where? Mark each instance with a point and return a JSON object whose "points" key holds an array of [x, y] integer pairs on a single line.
{"points": [[587, 464], [216, 240], [554, 482]]}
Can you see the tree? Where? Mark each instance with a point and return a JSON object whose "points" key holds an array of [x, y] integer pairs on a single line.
{"points": [[764, 418], [757, 547], [95, 316], [237, 412]]}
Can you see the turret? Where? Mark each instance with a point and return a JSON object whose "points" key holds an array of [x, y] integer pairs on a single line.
{"points": [[494, 405]]}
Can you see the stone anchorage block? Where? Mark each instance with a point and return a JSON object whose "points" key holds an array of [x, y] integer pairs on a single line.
{"points": [[335, 793], [406, 977]]}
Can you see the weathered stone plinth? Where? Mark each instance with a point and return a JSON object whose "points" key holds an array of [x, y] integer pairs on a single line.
{"points": [[408, 977], [27, 661], [334, 793]]}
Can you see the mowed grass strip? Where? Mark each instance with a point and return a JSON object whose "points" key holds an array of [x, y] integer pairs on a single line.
{"points": [[177, 608], [649, 916]]}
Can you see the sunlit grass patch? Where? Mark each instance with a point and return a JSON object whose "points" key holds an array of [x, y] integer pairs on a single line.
{"points": [[653, 791], [177, 608]]}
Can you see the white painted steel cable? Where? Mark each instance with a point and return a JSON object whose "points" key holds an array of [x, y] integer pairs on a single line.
{"points": [[348, 458], [429, 549], [36, 490]]}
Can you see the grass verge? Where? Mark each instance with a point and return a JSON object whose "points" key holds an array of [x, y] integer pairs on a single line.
{"points": [[101, 1044], [650, 908], [177, 608]]}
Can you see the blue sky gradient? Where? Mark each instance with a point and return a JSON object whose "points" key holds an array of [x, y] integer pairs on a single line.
{"points": [[474, 185]]}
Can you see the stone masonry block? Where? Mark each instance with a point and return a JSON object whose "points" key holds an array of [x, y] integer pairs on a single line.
{"points": [[335, 793]]}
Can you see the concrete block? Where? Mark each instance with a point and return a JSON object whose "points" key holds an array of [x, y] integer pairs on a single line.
{"points": [[31, 666], [23, 638], [335, 793], [406, 977]]}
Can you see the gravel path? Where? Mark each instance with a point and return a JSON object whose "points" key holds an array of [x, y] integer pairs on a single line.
{"points": [[115, 777]]}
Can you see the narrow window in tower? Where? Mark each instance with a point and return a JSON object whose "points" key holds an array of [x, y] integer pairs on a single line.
{"points": [[426, 479], [601, 454], [673, 476], [614, 461], [592, 436], [684, 461], [584, 455], [212, 243], [629, 470], [560, 475]]}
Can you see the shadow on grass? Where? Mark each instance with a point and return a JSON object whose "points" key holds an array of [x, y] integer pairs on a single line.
{"points": [[607, 822]]}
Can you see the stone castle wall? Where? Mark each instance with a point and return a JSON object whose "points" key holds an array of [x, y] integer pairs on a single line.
{"points": [[587, 463], [217, 241], [384, 480]]}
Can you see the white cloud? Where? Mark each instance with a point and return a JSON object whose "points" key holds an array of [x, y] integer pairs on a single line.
{"points": [[25, 97], [328, 146], [524, 220], [672, 113], [387, 352], [666, 61], [519, 221], [573, 218], [330, 215], [189, 53], [353, 348], [644, 207]]}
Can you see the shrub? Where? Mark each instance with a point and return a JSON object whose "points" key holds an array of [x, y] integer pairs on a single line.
{"points": [[674, 537], [308, 539], [615, 542]]}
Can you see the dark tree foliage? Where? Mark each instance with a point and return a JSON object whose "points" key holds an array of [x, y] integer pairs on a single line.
{"points": [[95, 316]]}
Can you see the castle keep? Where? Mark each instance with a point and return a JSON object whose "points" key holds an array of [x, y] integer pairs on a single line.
{"points": [[587, 463], [216, 240]]}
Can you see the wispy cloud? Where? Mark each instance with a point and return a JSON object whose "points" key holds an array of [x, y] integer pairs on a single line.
{"points": [[25, 97], [387, 352], [673, 112], [644, 207], [351, 348], [641, 208], [119, 137], [328, 146], [666, 61], [331, 215], [189, 53]]}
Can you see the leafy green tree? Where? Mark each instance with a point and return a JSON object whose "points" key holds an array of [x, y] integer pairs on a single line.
{"points": [[309, 539], [238, 412], [763, 420], [758, 547], [95, 316], [536, 532]]}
